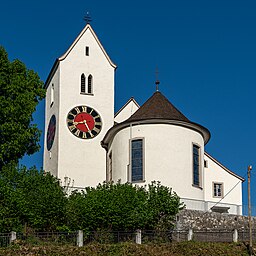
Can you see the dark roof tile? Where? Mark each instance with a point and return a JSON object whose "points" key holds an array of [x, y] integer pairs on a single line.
{"points": [[158, 107]]}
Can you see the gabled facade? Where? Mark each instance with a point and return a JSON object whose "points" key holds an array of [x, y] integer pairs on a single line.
{"points": [[81, 81]]}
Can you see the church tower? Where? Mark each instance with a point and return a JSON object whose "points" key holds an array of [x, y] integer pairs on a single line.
{"points": [[79, 110]]}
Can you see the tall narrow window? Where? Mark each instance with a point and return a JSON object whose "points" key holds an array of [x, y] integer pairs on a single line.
{"points": [[110, 174], [89, 84], [137, 160], [196, 165], [52, 94], [86, 50], [82, 83]]}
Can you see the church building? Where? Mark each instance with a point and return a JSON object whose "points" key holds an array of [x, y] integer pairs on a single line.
{"points": [[87, 143]]}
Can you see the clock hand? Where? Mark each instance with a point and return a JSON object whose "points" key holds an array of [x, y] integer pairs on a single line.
{"points": [[87, 127], [76, 123]]}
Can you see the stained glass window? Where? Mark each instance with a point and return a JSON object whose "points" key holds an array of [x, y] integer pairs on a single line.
{"points": [[137, 160]]}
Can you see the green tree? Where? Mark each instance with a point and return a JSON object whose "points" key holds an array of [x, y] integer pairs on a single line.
{"points": [[20, 91], [31, 198], [162, 206]]}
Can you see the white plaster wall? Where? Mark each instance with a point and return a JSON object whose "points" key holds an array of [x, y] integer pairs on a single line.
{"points": [[126, 112], [215, 173], [51, 157], [84, 161], [168, 156]]}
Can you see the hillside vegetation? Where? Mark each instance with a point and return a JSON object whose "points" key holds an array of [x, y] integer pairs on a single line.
{"points": [[126, 249]]}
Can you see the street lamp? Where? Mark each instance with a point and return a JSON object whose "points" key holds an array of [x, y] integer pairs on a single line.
{"points": [[249, 207]]}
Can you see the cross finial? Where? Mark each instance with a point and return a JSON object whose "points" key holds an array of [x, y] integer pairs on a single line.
{"points": [[87, 18], [157, 81]]}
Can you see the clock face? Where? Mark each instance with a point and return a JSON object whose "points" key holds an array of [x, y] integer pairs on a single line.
{"points": [[84, 122], [51, 132]]}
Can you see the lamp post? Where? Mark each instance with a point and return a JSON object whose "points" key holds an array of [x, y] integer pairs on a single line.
{"points": [[249, 207]]}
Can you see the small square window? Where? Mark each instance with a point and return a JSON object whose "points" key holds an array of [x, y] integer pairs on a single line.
{"points": [[217, 189], [87, 51]]}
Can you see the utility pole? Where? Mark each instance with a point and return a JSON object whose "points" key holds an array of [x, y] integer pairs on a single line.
{"points": [[249, 207]]}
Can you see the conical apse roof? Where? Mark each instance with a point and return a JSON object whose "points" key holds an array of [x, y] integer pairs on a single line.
{"points": [[156, 110], [158, 107]]}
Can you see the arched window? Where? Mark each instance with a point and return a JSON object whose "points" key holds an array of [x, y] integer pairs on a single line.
{"points": [[82, 83], [89, 84]]}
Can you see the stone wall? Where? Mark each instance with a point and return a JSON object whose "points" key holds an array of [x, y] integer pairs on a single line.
{"points": [[199, 220]]}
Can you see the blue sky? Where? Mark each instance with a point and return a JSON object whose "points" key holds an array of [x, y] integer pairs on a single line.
{"points": [[205, 52]]}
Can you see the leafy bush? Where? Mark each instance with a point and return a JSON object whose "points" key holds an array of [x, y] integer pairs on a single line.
{"points": [[116, 206]]}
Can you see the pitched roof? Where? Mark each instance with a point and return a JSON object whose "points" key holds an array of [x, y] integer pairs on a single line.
{"points": [[58, 60], [223, 167], [158, 107], [156, 110]]}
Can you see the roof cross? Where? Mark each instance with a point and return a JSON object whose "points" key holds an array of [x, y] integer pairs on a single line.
{"points": [[157, 81], [87, 18]]}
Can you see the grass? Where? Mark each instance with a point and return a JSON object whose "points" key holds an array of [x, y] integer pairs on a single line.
{"points": [[126, 249]]}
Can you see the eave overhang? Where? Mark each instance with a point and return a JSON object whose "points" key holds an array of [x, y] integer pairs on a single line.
{"points": [[190, 125], [224, 167]]}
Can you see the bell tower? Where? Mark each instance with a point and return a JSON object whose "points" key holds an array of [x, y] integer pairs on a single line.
{"points": [[79, 110]]}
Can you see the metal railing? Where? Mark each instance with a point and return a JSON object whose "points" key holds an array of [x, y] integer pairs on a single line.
{"points": [[109, 237], [146, 236], [5, 239], [49, 237]]}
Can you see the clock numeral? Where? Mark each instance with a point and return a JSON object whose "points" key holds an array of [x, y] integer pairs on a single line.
{"points": [[73, 130], [97, 125], [88, 135], [77, 110], [72, 127], [84, 109], [77, 133], [96, 129], [84, 135]]}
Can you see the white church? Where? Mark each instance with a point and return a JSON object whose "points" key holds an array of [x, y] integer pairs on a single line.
{"points": [[86, 142]]}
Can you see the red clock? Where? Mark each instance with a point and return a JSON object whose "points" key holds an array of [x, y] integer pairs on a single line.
{"points": [[51, 132], [84, 122]]}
